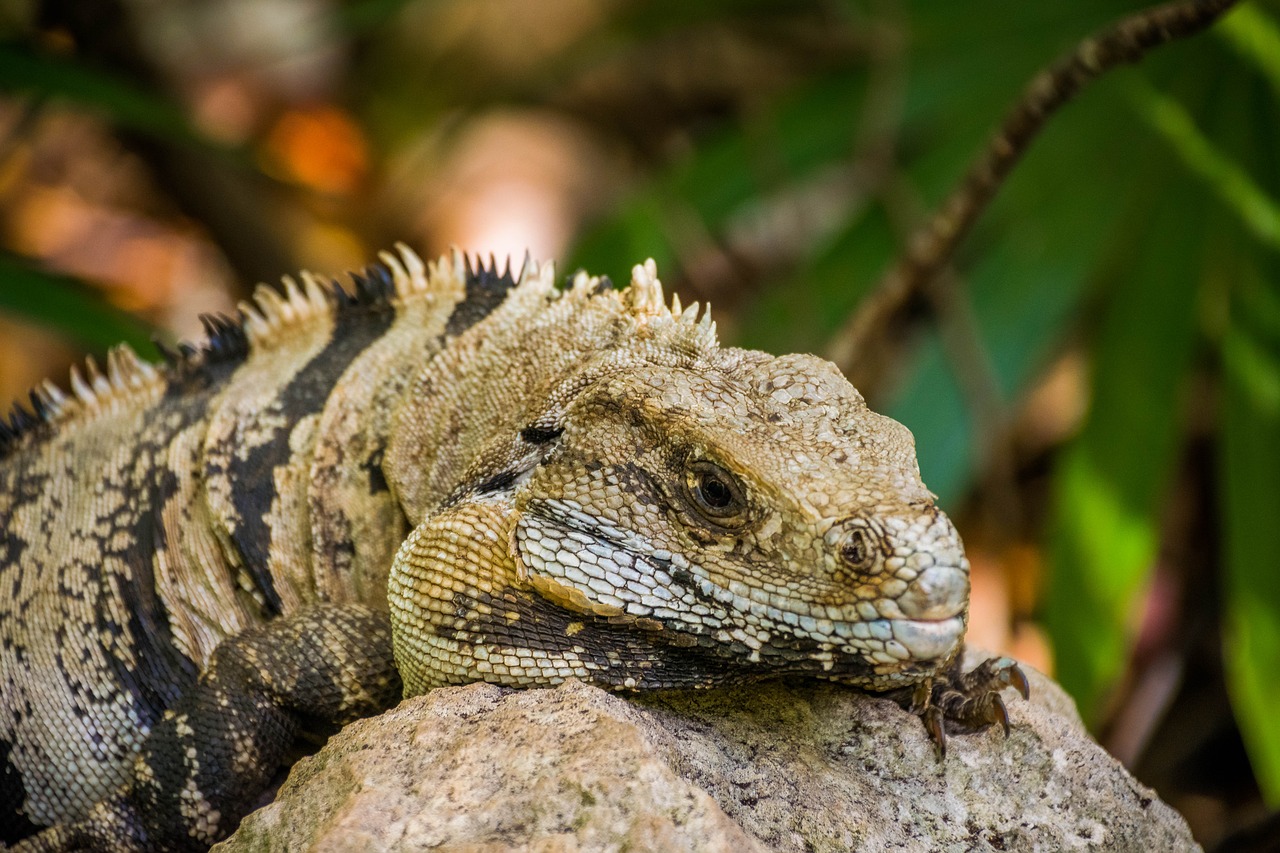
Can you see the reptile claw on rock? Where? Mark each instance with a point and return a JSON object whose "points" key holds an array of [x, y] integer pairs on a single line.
{"points": [[1015, 677], [1001, 713], [970, 701]]}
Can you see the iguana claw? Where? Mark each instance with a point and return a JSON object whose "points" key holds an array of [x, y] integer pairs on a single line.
{"points": [[1001, 713], [967, 701]]}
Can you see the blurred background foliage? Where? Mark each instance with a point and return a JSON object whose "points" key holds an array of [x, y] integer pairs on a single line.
{"points": [[1098, 404]]}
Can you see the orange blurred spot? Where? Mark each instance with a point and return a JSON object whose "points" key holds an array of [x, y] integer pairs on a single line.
{"points": [[1003, 590], [145, 266], [140, 264], [321, 147], [989, 616], [1030, 645]]}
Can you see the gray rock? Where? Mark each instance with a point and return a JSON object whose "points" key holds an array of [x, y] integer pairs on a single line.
{"points": [[768, 767]]}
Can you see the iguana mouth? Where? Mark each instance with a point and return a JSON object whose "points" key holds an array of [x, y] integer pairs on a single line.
{"points": [[618, 572]]}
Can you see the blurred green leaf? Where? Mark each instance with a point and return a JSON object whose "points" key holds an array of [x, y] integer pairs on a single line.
{"points": [[1112, 480], [1253, 34], [639, 230], [43, 75], [1103, 546], [1250, 472], [1256, 209], [67, 306]]}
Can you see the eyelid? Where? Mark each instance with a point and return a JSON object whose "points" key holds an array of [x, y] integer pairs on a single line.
{"points": [[737, 515]]}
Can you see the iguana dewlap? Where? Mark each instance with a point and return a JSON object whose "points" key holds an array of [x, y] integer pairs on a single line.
{"points": [[449, 476]]}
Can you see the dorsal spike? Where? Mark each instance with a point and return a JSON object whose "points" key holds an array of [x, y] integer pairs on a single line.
{"points": [[528, 267], [537, 274], [275, 310], [255, 326], [338, 293], [80, 388], [374, 285], [359, 289], [20, 420], [412, 263], [342, 297], [402, 280], [645, 294], [132, 370], [115, 372], [227, 338], [54, 395], [317, 295], [292, 306], [39, 406], [99, 382], [461, 266]]}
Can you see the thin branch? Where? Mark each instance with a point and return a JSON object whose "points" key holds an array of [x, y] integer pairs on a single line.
{"points": [[933, 245]]}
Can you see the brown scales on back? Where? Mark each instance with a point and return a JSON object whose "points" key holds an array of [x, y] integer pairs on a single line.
{"points": [[452, 475]]}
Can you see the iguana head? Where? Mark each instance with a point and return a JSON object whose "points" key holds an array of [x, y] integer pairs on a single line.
{"points": [[638, 506], [751, 506]]}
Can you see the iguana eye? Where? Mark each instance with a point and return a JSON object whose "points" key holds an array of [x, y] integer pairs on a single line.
{"points": [[715, 493]]}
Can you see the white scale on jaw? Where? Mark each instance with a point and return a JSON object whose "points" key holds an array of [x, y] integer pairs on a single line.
{"points": [[624, 570]]}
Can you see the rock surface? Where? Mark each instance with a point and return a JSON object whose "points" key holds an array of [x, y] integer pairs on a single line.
{"points": [[768, 767]]}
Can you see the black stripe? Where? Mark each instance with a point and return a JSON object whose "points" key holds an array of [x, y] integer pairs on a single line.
{"points": [[254, 486], [162, 673], [486, 289]]}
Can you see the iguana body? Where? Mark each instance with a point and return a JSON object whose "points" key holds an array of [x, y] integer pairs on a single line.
{"points": [[519, 484]]}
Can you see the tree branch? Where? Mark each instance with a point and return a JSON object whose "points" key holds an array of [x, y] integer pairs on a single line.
{"points": [[931, 247]]}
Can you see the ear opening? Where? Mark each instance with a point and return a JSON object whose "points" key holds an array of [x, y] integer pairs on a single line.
{"points": [[539, 433], [506, 464]]}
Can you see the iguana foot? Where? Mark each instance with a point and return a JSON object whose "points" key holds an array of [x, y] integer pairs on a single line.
{"points": [[967, 701]]}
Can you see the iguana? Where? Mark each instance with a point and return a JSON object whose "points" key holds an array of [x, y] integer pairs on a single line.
{"points": [[452, 474]]}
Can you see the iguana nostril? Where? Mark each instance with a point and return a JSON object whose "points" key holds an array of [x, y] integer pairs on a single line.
{"points": [[855, 549]]}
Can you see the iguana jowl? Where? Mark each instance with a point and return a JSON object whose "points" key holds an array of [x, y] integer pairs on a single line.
{"points": [[450, 476]]}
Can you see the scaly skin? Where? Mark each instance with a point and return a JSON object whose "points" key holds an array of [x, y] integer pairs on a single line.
{"points": [[537, 484]]}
